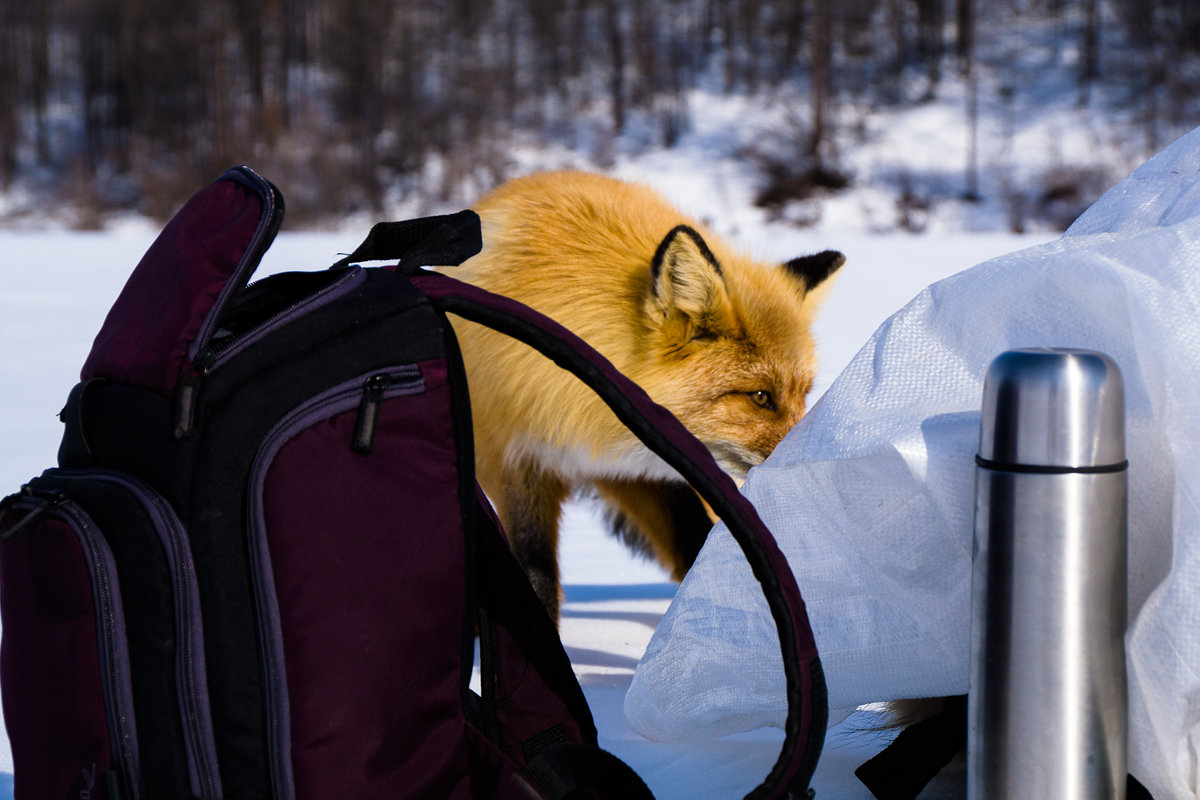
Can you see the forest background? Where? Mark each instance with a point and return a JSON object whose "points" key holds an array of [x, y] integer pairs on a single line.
{"points": [[127, 106]]}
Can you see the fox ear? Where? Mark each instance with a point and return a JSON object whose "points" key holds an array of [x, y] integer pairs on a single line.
{"points": [[815, 269], [687, 279]]}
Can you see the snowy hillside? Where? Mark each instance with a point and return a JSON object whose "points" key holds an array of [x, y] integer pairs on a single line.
{"points": [[912, 126]]}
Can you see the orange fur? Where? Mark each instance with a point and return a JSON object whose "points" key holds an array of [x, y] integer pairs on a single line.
{"points": [[701, 338]]}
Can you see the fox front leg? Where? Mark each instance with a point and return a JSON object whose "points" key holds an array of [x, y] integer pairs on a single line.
{"points": [[529, 508]]}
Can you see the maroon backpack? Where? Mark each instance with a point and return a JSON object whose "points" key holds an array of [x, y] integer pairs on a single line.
{"points": [[263, 562]]}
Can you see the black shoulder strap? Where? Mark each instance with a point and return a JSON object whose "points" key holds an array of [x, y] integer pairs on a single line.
{"points": [[506, 600], [665, 436], [440, 241]]}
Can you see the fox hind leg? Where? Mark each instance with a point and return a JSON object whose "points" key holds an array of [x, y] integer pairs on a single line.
{"points": [[663, 519], [529, 508]]}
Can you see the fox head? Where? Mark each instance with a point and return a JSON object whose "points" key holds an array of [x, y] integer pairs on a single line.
{"points": [[731, 352]]}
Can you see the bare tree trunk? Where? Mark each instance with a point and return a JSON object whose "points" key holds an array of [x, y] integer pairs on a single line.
{"points": [[616, 48], [964, 24], [930, 18], [1089, 69], [9, 96], [39, 39], [820, 73], [966, 52], [649, 59], [794, 30], [220, 91]]}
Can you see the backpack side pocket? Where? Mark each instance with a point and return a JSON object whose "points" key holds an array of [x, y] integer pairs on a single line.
{"points": [[146, 612], [64, 659]]}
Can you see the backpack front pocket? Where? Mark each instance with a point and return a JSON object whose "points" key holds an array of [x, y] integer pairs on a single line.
{"points": [[350, 491]]}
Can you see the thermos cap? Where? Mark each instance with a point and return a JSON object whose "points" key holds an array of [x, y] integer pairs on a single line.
{"points": [[1052, 407]]}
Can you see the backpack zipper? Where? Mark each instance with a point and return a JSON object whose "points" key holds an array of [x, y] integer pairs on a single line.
{"points": [[190, 669], [366, 392], [208, 358], [368, 413], [270, 218], [110, 623]]}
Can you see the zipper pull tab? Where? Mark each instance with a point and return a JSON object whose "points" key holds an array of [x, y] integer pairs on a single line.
{"points": [[186, 390], [368, 413]]}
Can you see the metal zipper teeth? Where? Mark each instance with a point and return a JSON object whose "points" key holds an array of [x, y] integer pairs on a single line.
{"points": [[209, 359], [166, 520], [405, 380], [265, 222], [117, 717]]}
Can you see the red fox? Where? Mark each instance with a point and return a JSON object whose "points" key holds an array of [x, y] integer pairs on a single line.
{"points": [[720, 340]]}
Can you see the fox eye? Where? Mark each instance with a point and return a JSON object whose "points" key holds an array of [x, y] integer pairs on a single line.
{"points": [[763, 400]]}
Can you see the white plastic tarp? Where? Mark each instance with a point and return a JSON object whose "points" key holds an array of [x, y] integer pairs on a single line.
{"points": [[872, 495]]}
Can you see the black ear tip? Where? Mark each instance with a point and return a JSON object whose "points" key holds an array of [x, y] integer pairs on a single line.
{"points": [[830, 260], [836, 258], [815, 269]]}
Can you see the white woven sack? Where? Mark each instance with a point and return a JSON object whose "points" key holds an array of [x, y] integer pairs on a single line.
{"points": [[872, 495]]}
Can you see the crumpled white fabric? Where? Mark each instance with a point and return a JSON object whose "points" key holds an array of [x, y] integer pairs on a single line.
{"points": [[872, 495]]}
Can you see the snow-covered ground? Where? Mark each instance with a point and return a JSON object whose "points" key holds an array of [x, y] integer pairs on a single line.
{"points": [[59, 285]]}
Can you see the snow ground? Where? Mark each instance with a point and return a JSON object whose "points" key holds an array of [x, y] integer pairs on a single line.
{"points": [[58, 287]]}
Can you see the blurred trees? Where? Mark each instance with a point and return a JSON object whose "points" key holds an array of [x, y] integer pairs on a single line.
{"points": [[136, 102]]}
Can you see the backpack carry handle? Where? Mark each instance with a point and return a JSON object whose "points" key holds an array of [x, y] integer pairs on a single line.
{"points": [[443, 241], [660, 431]]}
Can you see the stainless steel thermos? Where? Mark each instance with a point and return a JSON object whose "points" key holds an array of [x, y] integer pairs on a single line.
{"points": [[1047, 703]]}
